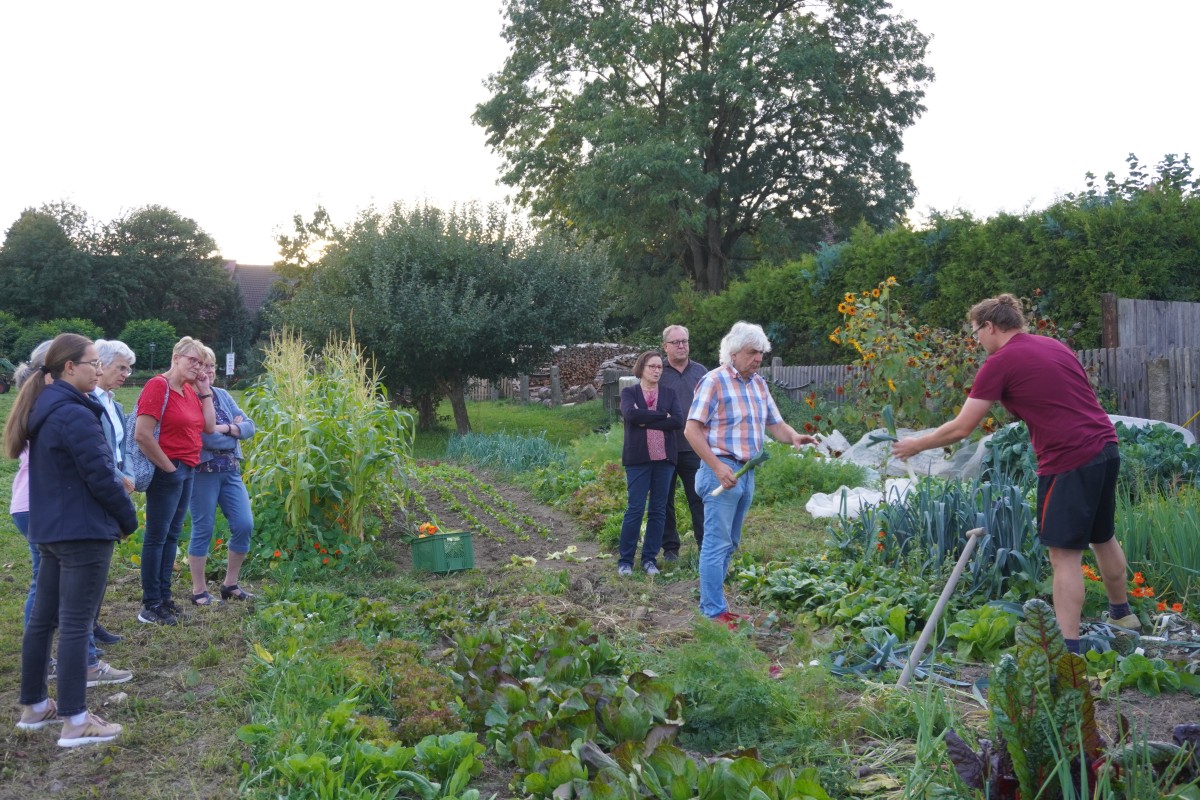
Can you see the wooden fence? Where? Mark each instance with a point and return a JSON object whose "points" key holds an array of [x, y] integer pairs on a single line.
{"points": [[479, 390], [1166, 387], [1158, 325]]}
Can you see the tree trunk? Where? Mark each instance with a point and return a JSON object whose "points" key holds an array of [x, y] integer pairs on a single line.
{"points": [[457, 390], [426, 412]]}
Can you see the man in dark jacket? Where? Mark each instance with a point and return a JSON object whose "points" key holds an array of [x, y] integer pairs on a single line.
{"points": [[680, 375]]}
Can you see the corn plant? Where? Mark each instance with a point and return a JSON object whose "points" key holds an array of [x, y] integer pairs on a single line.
{"points": [[331, 456]]}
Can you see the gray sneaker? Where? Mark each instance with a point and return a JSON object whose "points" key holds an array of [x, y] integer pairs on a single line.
{"points": [[670, 558], [650, 568], [624, 570], [104, 673]]}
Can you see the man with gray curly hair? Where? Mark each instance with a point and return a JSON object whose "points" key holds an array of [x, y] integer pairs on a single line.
{"points": [[731, 410]]}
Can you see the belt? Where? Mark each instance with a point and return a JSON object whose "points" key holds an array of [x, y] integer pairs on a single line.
{"points": [[741, 462]]}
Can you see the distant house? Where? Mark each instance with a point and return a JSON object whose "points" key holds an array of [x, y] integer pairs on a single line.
{"points": [[254, 281]]}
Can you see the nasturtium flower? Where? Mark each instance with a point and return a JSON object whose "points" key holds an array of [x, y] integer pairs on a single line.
{"points": [[1138, 579], [1177, 607], [1162, 606], [278, 554]]}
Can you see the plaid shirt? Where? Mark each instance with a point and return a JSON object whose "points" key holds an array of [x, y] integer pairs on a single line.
{"points": [[735, 411]]}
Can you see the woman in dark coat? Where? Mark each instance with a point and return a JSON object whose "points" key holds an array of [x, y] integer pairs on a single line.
{"points": [[650, 412], [78, 510]]}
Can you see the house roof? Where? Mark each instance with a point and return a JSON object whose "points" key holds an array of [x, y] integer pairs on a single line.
{"points": [[254, 281]]}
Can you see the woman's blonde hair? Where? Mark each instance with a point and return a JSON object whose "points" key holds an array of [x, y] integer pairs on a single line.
{"points": [[187, 345]]}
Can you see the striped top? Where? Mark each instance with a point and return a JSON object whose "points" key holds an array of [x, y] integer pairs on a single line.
{"points": [[735, 411]]}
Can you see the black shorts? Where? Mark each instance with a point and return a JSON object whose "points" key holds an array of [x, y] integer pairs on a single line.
{"points": [[1076, 509]]}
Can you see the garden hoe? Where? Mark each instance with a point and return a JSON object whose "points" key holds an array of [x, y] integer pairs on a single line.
{"points": [[931, 626]]}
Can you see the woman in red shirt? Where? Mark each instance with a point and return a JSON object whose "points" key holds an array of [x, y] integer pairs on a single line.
{"points": [[172, 411]]}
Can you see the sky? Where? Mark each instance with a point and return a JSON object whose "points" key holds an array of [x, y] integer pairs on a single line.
{"points": [[241, 115]]}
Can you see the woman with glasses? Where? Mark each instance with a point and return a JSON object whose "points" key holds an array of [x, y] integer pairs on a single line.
{"points": [[651, 413], [173, 410], [117, 360], [218, 482], [78, 509]]}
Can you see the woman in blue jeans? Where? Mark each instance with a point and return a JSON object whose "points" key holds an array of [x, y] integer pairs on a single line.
{"points": [[218, 481], [171, 416], [651, 412], [78, 509]]}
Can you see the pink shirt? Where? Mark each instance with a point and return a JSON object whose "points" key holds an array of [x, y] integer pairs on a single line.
{"points": [[20, 485], [654, 439]]}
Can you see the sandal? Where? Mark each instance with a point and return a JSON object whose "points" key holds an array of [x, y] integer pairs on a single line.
{"points": [[235, 592], [203, 599]]}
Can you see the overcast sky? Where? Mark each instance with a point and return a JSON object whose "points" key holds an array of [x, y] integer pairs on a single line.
{"points": [[241, 115]]}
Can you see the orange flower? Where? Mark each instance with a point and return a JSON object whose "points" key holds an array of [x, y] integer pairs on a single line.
{"points": [[337, 552], [841, 390], [879, 547], [882, 534], [1162, 606], [811, 399], [1138, 580], [1176, 607], [325, 560], [278, 554], [1148, 592], [874, 293], [809, 427], [220, 542]]}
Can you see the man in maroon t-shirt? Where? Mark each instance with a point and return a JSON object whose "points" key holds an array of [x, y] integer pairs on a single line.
{"points": [[1039, 380]]}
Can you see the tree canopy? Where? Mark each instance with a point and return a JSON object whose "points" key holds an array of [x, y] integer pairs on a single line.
{"points": [[683, 126], [439, 297], [151, 263]]}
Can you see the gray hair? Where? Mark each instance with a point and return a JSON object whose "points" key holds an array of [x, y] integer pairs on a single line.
{"points": [[111, 349], [37, 360], [741, 336], [667, 331]]}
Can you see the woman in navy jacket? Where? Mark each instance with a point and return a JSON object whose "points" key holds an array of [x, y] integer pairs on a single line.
{"points": [[78, 509], [650, 412]]}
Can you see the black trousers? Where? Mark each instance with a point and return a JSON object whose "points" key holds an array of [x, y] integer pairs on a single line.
{"points": [[685, 472]]}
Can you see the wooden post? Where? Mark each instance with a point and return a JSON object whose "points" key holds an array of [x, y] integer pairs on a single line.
{"points": [[494, 387], [1109, 333], [1158, 389], [555, 386], [524, 388], [611, 391]]}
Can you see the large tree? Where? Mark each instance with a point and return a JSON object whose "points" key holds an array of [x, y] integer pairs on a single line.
{"points": [[440, 297], [170, 269], [682, 126]]}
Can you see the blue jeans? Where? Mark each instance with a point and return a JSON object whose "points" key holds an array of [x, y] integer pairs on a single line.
{"points": [[21, 520], [210, 489], [167, 499], [723, 517], [71, 582], [651, 480]]}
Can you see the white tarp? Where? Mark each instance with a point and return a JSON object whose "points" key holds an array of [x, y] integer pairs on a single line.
{"points": [[964, 462]]}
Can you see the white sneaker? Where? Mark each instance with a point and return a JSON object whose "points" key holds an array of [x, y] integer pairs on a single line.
{"points": [[33, 720], [93, 731], [624, 570], [650, 568], [104, 673]]}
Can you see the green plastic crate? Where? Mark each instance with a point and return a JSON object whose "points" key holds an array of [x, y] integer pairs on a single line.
{"points": [[443, 552]]}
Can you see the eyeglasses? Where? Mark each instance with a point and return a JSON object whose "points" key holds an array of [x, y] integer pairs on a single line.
{"points": [[975, 331], [124, 370], [195, 362], [654, 366], [677, 342], [97, 364]]}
